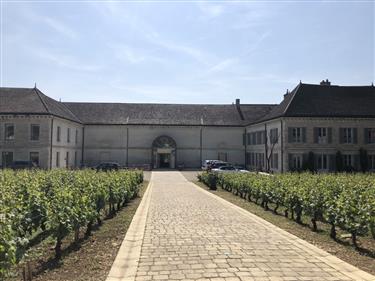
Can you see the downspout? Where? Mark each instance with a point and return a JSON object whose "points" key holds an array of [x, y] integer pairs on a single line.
{"points": [[266, 148], [201, 142], [83, 146], [282, 146], [127, 146], [245, 140], [51, 145]]}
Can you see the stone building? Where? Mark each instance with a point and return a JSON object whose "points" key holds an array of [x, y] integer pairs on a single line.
{"points": [[312, 121]]}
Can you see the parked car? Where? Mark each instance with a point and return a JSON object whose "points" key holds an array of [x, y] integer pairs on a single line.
{"points": [[224, 168], [241, 169], [19, 165], [108, 166]]}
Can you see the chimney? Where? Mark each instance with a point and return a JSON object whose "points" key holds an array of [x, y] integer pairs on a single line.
{"points": [[238, 106], [325, 83], [287, 93]]}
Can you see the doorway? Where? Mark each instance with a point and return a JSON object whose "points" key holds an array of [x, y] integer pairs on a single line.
{"points": [[163, 153], [165, 160]]}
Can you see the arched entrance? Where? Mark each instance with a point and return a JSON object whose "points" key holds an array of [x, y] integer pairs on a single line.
{"points": [[164, 153]]}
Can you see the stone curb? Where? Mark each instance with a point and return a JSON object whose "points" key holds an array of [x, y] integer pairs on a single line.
{"points": [[125, 266], [334, 262]]}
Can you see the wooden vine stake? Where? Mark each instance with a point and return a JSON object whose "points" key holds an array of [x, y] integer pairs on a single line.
{"points": [[27, 273]]}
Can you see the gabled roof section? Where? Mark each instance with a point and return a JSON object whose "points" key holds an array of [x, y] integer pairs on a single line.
{"points": [[32, 101], [164, 114], [311, 100]]}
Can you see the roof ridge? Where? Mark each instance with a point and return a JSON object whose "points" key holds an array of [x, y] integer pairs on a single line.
{"points": [[43, 102]]}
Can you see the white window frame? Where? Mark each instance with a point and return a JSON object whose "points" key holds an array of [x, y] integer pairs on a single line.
{"points": [[322, 135], [322, 162], [348, 160], [297, 134], [31, 132], [297, 161], [348, 135], [6, 126]]}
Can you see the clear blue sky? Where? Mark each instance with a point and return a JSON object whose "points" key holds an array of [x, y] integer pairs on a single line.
{"points": [[186, 52]]}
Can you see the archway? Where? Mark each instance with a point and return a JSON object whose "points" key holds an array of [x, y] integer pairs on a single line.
{"points": [[164, 153]]}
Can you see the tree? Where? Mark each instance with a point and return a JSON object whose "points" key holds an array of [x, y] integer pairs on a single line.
{"points": [[270, 142]]}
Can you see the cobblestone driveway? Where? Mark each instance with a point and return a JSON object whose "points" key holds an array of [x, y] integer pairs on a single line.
{"points": [[191, 234]]}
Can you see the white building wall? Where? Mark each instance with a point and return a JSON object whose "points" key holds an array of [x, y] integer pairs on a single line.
{"points": [[132, 144], [22, 145], [73, 147], [329, 148], [261, 148]]}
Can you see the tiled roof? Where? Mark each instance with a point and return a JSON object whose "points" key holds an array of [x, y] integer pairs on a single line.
{"points": [[310, 100], [32, 101], [166, 114], [306, 100]]}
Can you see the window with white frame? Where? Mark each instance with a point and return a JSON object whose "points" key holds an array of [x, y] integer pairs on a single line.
{"points": [[68, 135], [34, 132], [348, 160], [58, 134], [297, 134], [348, 135], [34, 158], [9, 132], [57, 159], [296, 162], [322, 162], [322, 135], [274, 135]]}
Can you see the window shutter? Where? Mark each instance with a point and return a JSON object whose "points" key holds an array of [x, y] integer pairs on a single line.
{"points": [[316, 130], [248, 138], [329, 132], [355, 135], [243, 139], [341, 135], [304, 134], [290, 135], [365, 137]]}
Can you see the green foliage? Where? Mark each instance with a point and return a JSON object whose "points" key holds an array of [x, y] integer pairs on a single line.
{"points": [[343, 200], [59, 201]]}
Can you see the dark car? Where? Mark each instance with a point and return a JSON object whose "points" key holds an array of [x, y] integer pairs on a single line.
{"points": [[108, 166], [18, 165]]}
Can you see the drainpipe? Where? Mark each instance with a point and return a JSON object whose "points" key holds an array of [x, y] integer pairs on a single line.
{"points": [[266, 147], [83, 146], [51, 144], [127, 146], [200, 144], [245, 142], [282, 146]]}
